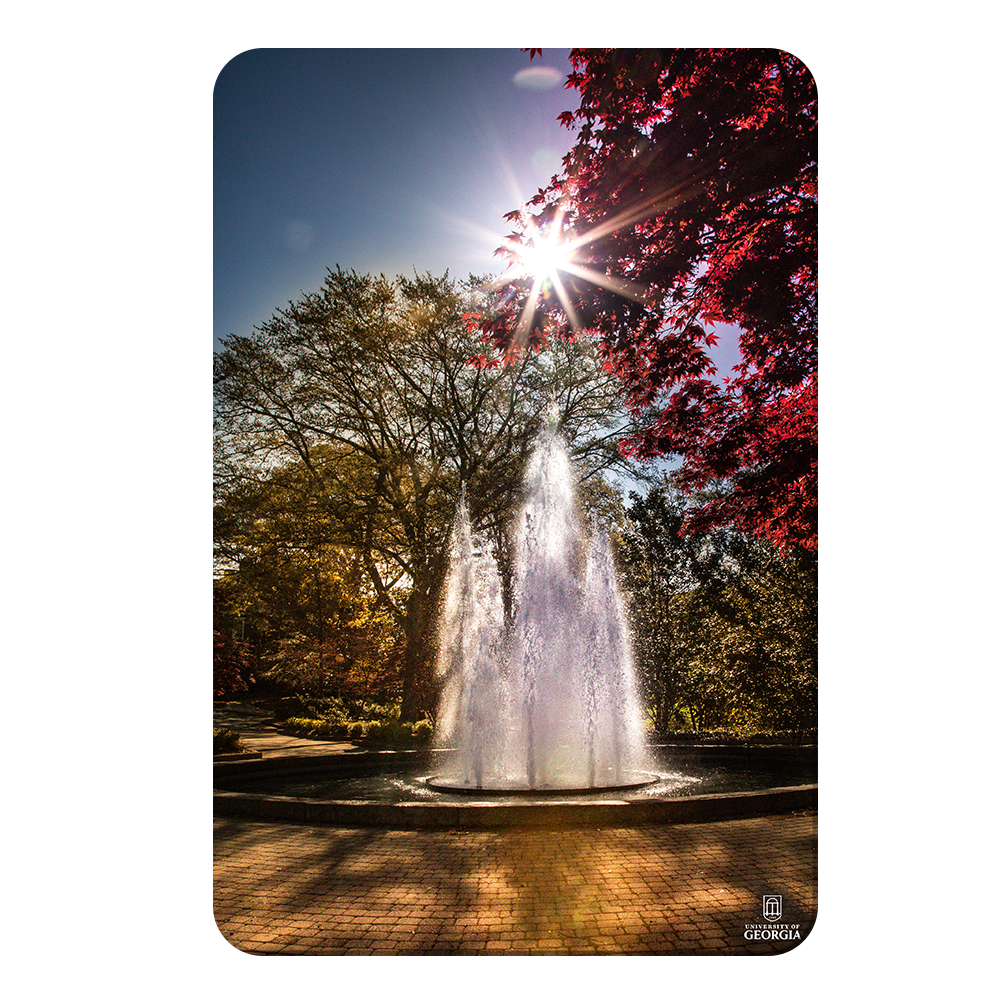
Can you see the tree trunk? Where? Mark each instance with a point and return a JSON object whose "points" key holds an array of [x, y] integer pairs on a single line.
{"points": [[420, 691], [415, 660]]}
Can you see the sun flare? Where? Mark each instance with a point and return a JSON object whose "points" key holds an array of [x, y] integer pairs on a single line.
{"points": [[544, 257], [549, 258]]}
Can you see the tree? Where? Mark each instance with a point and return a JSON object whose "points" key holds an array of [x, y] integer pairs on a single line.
{"points": [[317, 626], [360, 396], [769, 615], [233, 660], [725, 627], [673, 580], [689, 200]]}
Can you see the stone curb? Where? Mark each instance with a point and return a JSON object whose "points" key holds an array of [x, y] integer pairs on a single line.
{"points": [[496, 815]]}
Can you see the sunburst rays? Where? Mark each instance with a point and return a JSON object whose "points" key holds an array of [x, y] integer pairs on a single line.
{"points": [[546, 254]]}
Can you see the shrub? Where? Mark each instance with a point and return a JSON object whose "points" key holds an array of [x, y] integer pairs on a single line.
{"points": [[423, 730], [304, 727], [225, 740], [335, 726], [396, 732], [293, 707]]}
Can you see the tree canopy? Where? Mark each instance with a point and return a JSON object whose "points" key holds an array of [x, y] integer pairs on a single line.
{"points": [[724, 628], [690, 200], [346, 425]]}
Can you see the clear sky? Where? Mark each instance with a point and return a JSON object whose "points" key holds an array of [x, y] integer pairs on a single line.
{"points": [[380, 161]]}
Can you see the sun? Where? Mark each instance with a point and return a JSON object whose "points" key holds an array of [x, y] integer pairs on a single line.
{"points": [[545, 256], [542, 252], [548, 256]]}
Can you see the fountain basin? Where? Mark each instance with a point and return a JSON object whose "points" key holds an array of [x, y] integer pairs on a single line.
{"points": [[390, 789]]}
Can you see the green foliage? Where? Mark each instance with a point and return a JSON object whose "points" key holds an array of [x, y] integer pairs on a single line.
{"points": [[226, 741], [724, 626], [327, 729], [423, 730], [379, 724]]}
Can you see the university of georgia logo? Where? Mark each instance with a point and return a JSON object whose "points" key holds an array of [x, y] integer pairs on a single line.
{"points": [[772, 931]]}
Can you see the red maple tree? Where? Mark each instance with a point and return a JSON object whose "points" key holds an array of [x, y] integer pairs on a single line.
{"points": [[690, 199]]}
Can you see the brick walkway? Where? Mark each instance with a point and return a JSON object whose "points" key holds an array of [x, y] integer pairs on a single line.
{"points": [[687, 889]]}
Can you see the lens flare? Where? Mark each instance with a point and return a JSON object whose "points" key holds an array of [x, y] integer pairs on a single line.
{"points": [[556, 259], [545, 257]]}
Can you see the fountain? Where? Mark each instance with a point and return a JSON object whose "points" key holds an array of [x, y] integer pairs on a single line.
{"points": [[539, 722], [548, 703]]}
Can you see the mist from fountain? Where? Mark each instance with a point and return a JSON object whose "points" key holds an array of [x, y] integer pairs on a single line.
{"points": [[549, 702]]}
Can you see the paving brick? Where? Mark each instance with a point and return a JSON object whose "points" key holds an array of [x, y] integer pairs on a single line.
{"points": [[288, 888]]}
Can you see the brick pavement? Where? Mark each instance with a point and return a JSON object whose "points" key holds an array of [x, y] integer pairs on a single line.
{"points": [[685, 889]]}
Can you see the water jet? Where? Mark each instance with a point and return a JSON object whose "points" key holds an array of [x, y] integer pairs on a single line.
{"points": [[548, 700]]}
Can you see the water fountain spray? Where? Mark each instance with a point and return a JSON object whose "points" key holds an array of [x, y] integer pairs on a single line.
{"points": [[549, 701]]}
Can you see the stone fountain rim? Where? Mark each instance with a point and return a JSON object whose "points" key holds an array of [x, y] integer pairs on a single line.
{"points": [[497, 813]]}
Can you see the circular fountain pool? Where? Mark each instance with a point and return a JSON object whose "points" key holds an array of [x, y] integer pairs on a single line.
{"points": [[399, 790]]}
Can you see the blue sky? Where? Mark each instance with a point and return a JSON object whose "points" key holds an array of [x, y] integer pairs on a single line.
{"points": [[380, 161]]}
